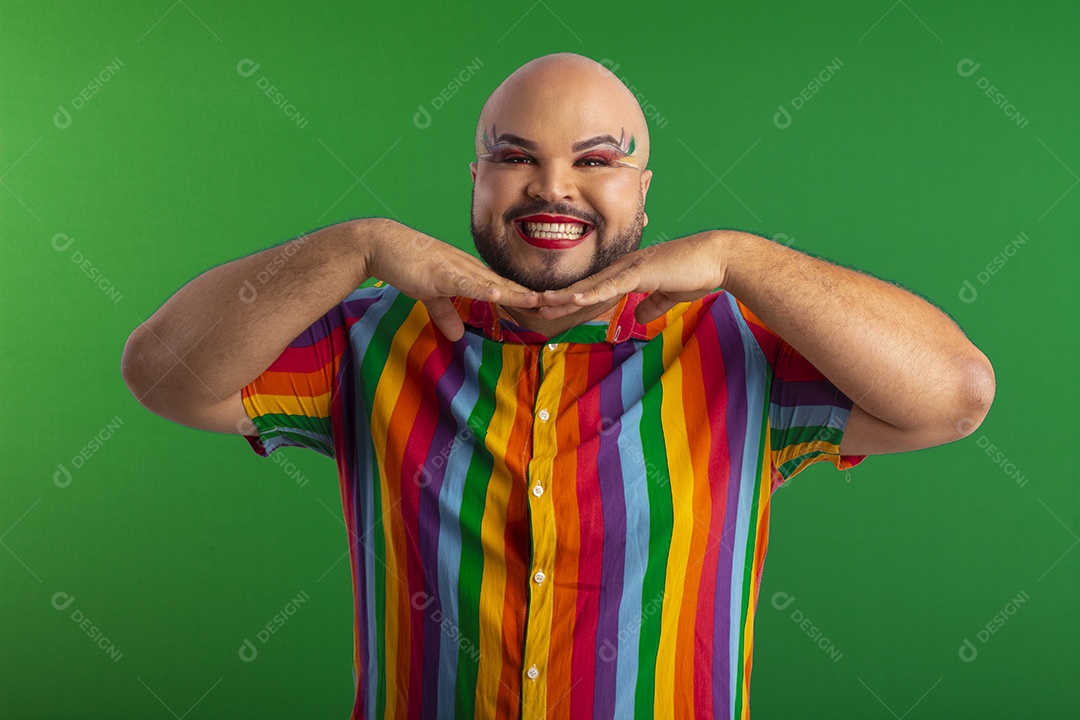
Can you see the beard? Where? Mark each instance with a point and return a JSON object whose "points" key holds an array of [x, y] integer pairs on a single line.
{"points": [[495, 246]]}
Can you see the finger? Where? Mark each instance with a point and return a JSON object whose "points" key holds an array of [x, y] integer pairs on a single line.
{"points": [[659, 303], [476, 287], [449, 282], [653, 306], [483, 284], [618, 279], [510, 292], [553, 312], [445, 316]]}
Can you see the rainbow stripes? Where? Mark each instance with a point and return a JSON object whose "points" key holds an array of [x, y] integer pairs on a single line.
{"points": [[565, 527]]}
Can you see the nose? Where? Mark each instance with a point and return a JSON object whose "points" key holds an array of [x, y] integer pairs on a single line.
{"points": [[552, 183]]}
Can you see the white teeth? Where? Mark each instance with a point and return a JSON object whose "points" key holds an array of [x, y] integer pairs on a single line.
{"points": [[553, 231]]}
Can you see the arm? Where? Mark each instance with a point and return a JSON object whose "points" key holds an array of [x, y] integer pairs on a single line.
{"points": [[914, 377], [189, 361]]}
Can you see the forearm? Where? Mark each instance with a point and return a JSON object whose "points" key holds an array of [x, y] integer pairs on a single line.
{"points": [[222, 329], [895, 355]]}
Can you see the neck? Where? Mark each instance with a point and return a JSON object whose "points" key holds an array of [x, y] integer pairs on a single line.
{"points": [[531, 319]]}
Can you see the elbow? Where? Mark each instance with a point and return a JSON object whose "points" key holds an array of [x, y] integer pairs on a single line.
{"points": [[133, 364], [977, 387]]}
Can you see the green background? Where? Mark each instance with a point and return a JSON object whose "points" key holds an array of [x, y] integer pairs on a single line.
{"points": [[180, 544]]}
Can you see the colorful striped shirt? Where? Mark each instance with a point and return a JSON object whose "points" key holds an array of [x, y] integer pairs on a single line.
{"points": [[564, 527]]}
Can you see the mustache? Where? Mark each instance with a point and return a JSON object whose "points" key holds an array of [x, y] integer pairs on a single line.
{"points": [[544, 208]]}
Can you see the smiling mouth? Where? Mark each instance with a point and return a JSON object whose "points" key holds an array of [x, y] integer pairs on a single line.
{"points": [[553, 232]]}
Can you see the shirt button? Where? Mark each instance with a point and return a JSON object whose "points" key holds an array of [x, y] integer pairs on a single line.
{"points": [[537, 490], [533, 673], [539, 576], [544, 415], [552, 346]]}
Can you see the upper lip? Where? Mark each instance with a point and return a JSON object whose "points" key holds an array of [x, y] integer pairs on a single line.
{"points": [[541, 218]]}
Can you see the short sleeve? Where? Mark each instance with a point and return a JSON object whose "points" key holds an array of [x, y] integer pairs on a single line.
{"points": [[807, 413], [291, 403]]}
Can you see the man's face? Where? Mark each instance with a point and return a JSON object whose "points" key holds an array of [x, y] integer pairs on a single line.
{"points": [[547, 156]]}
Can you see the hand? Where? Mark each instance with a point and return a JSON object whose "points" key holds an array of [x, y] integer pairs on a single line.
{"points": [[433, 271], [675, 271]]}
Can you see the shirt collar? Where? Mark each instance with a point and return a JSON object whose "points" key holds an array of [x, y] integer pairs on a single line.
{"points": [[616, 325]]}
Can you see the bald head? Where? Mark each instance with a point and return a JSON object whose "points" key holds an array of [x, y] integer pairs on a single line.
{"points": [[559, 182], [580, 90]]}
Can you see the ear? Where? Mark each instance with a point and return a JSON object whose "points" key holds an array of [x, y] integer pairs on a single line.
{"points": [[646, 180], [472, 169]]}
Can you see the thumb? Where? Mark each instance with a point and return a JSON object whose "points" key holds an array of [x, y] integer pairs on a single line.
{"points": [[445, 316], [659, 302], [653, 306]]}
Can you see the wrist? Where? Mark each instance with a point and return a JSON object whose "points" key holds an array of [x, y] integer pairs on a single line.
{"points": [[729, 246], [363, 240]]}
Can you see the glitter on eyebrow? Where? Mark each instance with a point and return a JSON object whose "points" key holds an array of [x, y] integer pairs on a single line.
{"points": [[624, 146]]}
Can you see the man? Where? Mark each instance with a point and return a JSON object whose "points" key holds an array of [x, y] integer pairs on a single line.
{"points": [[556, 469]]}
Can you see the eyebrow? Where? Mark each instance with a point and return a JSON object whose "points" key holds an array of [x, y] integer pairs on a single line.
{"points": [[577, 147], [515, 140], [598, 140]]}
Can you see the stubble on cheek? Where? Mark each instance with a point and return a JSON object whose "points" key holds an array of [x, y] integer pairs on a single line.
{"points": [[534, 268], [500, 246], [541, 270]]}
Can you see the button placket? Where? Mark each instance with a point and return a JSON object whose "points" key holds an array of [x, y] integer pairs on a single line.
{"points": [[542, 526]]}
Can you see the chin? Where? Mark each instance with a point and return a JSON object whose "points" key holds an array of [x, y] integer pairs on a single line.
{"points": [[503, 252]]}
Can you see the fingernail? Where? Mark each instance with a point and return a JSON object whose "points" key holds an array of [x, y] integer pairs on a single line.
{"points": [[578, 296]]}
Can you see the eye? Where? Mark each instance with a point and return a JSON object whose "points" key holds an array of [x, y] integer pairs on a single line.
{"points": [[595, 161], [512, 158]]}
